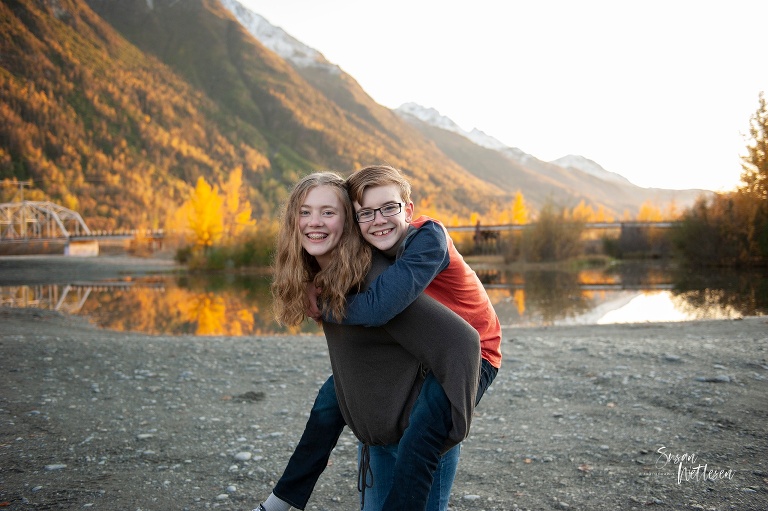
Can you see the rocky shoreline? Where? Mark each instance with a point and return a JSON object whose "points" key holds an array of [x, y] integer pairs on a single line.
{"points": [[586, 417]]}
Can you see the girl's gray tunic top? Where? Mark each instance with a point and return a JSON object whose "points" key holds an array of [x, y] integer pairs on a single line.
{"points": [[378, 372]]}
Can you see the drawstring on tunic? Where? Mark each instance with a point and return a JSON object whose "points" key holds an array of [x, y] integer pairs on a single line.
{"points": [[364, 469]]}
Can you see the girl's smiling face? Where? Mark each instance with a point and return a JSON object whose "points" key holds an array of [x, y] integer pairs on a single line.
{"points": [[321, 222]]}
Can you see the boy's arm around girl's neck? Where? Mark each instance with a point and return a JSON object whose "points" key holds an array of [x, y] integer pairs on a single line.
{"points": [[421, 257]]}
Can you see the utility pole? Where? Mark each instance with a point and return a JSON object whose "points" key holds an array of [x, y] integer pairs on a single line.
{"points": [[22, 184]]}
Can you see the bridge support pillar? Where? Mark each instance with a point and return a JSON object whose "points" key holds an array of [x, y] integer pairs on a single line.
{"points": [[82, 248]]}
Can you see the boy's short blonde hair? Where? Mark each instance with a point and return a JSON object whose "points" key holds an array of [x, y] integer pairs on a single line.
{"points": [[377, 175]]}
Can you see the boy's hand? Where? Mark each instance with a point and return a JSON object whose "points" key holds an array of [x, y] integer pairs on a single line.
{"points": [[313, 311]]}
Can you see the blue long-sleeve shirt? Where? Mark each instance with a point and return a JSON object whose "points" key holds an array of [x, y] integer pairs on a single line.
{"points": [[422, 255]]}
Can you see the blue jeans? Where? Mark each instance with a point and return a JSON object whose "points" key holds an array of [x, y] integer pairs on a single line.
{"points": [[383, 459], [411, 483], [422, 442], [310, 457]]}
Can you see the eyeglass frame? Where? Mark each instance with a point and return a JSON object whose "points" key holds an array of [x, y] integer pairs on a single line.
{"points": [[374, 210]]}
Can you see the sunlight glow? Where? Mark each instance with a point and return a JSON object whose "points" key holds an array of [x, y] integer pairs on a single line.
{"points": [[647, 307]]}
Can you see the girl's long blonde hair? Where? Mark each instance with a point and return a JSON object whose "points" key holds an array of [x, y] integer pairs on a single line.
{"points": [[294, 267]]}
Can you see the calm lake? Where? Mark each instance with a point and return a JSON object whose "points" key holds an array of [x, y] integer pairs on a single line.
{"points": [[240, 304]]}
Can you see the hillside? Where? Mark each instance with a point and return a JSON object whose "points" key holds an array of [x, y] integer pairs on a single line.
{"points": [[116, 113], [115, 108], [101, 127]]}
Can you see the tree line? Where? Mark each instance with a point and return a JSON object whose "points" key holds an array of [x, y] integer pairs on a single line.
{"points": [[731, 229], [728, 229]]}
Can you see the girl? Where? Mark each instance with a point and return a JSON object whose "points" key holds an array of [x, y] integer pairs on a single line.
{"points": [[377, 371]]}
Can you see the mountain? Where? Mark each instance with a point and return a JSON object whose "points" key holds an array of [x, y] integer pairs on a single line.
{"points": [[576, 162], [101, 127], [115, 108], [278, 40], [565, 181], [310, 117]]}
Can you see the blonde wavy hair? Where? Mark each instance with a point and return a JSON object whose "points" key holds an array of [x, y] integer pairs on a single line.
{"points": [[294, 267]]}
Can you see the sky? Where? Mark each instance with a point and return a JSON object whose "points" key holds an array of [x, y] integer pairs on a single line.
{"points": [[660, 92]]}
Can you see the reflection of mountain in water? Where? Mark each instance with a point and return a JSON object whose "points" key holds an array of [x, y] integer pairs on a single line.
{"points": [[653, 306], [626, 293], [615, 301]]}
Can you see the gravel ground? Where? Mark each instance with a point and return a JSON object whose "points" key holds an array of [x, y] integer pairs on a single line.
{"points": [[610, 417]]}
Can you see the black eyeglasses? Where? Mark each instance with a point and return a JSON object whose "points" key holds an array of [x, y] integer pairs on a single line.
{"points": [[367, 215]]}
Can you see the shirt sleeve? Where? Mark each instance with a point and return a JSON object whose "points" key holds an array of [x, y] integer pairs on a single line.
{"points": [[424, 254]]}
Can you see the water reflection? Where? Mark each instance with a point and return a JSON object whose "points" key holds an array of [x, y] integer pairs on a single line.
{"points": [[200, 305], [241, 304], [631, 293]]}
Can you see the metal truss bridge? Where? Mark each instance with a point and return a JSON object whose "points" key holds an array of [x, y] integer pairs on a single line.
{"points": [[39, 220], [69, 298], [31, 222]]}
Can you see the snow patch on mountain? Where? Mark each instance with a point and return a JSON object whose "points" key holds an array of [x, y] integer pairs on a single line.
{"points": [[278, 40], [574, 161], [483, 139], [434, 118], [430, 116]]}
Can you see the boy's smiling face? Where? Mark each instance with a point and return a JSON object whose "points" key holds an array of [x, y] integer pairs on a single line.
{"points": [[385, 233]]}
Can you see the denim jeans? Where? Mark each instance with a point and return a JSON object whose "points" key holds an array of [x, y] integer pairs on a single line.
{"points": [[310, 457], [324, 427], [423, 440], [382, 464]]}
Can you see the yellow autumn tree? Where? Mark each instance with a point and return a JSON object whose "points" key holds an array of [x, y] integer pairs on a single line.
{"points": [[583, 212], [520, 215], [236, 210], [426, 207], [602, 216], [496, 216], [205, 218], [649, 213]]}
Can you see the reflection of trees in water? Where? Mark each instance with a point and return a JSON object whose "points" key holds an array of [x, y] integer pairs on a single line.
{"points": [[230, 304], [638, 274], [202, 305], [554, 295], [488, 277], [722, 293]]}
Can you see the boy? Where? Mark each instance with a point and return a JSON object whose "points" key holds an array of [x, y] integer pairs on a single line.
{"points": [[427, 261]]}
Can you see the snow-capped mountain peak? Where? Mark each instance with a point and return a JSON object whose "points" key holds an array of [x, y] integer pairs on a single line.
{"points": [[589, 167], [434, 118], [482, 139], [277, 39], [430, 116]]}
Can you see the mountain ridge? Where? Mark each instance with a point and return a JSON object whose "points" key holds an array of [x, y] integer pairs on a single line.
{"points": [[115, 108], [574, 166]]}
